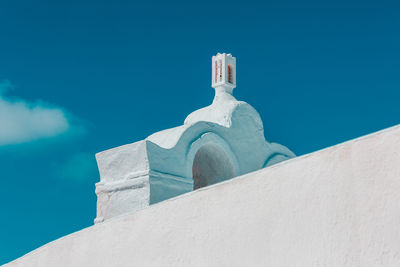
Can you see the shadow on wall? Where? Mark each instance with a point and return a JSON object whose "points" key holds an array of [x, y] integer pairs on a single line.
{"points": [[211, 165]]}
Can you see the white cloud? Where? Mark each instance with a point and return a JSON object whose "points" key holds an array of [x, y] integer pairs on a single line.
{"points": [[22, 121]]}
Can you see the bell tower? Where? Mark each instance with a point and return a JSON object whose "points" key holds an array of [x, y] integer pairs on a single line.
{"points": [[224, 72]]}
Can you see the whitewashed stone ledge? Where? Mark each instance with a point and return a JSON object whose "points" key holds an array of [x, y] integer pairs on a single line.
{"points": [[334, 207]]}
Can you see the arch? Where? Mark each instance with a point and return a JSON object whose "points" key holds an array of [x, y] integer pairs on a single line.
{"points": [[230, 74], [220, 70], [209, 139], [274, 159], [211, 165]]}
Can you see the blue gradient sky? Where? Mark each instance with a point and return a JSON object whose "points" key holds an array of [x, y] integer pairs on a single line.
{"points": [[318, 74]]}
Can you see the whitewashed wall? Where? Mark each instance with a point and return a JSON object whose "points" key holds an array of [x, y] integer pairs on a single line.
{"points": [[335, 207]]}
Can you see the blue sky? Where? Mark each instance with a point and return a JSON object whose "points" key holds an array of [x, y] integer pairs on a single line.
{"points": [[79, 77]]}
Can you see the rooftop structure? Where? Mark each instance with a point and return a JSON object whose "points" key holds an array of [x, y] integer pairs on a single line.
{"points": [[334, 207], [215, 143]]}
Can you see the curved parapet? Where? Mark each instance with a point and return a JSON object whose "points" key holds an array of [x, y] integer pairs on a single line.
{"points": [[215, 143]]}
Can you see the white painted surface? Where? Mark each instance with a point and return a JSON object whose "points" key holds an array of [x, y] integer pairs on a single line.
{"points": [[223, 71], [335, 207], [160, 167], [124, 184]]}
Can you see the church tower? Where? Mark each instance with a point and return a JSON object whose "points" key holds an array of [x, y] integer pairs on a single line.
{"points": [[224, 72]]}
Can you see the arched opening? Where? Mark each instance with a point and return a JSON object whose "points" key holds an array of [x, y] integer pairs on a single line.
{"points": [[211, 165], [230, 74], [274, 159], [220, 70]]}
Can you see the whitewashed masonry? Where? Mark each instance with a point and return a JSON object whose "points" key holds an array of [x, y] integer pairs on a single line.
{"points": [[215, 143]]}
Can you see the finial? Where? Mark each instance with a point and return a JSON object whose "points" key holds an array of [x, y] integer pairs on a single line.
{"points": [[224, 72]]}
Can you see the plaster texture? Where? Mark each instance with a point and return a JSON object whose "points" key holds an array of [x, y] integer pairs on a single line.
{"points": [[165, 165], [336, 207]]}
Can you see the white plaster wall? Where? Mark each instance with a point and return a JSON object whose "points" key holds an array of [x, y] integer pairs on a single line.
{"points": [[335, 207], [122, 170]]}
